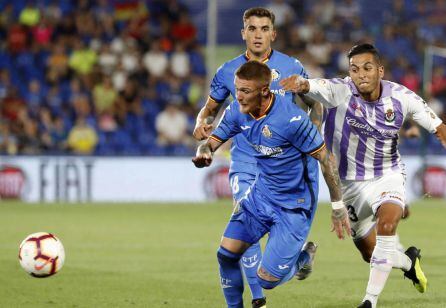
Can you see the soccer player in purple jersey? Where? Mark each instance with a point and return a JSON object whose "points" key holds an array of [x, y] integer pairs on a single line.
{"points": [[365, 114]]}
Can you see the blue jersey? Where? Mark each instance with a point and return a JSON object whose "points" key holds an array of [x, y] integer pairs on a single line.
{"points": [[281, 141], [222, 86]]}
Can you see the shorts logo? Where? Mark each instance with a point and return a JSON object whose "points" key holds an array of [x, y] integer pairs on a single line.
{"points": [[266, 132], [390, 115], [275, 74]]}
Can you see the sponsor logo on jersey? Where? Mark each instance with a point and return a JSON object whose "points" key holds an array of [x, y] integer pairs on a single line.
{"points": [[275, 74], [267, 151], [266, 132], [294, 119], [390, 115], [280, 92]]}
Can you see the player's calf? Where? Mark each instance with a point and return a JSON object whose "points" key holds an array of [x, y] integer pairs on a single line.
{"points": [[231, 277]]}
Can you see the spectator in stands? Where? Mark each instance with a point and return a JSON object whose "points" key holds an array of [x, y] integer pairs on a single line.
{"points": [[179, 62], [8, 142], [57, 64], [82, 59], [283, 12], [171, 126], [82, 138], [155, 60], [184, 30], [30, 15]]}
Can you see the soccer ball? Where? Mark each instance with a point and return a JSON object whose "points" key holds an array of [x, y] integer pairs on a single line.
{"points": [[41, 254]]}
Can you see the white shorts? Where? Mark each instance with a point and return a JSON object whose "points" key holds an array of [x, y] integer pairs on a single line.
{"points": [[363, 199]]}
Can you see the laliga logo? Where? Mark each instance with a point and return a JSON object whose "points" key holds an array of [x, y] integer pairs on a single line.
{"points": [[12, 182], [216, 183], [432, 180]]}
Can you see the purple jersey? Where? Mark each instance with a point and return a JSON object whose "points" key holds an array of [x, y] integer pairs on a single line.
{"points": [[364, 135]]}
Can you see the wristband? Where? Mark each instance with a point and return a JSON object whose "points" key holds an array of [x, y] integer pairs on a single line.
{"points": [[337, 205]]}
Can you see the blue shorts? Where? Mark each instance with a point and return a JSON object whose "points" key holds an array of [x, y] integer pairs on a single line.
{"points": [[241, 177], [288, 230]]}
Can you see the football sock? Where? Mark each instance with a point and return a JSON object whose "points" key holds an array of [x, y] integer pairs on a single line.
{"points": [[250, 262], [383, 257], [231, 277]]}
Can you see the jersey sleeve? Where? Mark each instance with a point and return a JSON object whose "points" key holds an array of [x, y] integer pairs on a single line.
{"points": [[304, 135], [330, 92], [229, 125], [218, 90], [416, 108], [299, 69]]}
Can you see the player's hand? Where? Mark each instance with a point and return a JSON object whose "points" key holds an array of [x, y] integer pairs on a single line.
{"points": [[203, 130], [295, 84], [203, 157], [441, 134], [340, 221]]}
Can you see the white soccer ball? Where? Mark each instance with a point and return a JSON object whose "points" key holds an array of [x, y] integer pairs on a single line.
{"points": [[41, 254]]}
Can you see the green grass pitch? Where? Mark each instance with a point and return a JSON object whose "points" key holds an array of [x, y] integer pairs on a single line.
{"points": [[163, 255]]}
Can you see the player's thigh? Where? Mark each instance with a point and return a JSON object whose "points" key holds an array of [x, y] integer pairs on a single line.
{"points": [[356, 199], [244, 225], [388, 189], [240, 183], [286, 238]]}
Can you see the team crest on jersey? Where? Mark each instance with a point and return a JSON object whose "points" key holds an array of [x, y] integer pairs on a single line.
{"points": [[390, 115], [275, 74], [357, 108], [266, 132]]}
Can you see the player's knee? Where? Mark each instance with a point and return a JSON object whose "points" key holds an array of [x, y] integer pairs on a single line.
{"points": [[226, 257], [386, 227], [266, 280]]}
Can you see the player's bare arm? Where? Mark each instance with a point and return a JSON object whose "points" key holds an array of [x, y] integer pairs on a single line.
{"points": [[205, 153], [296, 84], [441, 134], [316, 112], [292, 83], [330, 172], [203, 125]]}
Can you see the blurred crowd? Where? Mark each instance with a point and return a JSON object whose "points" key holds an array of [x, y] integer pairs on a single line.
{"points": [[128, 77], [98, 77]]}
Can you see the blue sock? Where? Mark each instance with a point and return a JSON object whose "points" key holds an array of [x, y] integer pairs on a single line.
{"points": [[231, 277], [250, 262]]}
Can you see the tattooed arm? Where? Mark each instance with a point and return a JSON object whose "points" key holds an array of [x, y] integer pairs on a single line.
{"points": [[316, 110], [339, 215]]}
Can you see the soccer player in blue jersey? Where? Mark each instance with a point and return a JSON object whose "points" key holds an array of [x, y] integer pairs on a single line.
{"points": [[258, 32], [282, 200]]}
